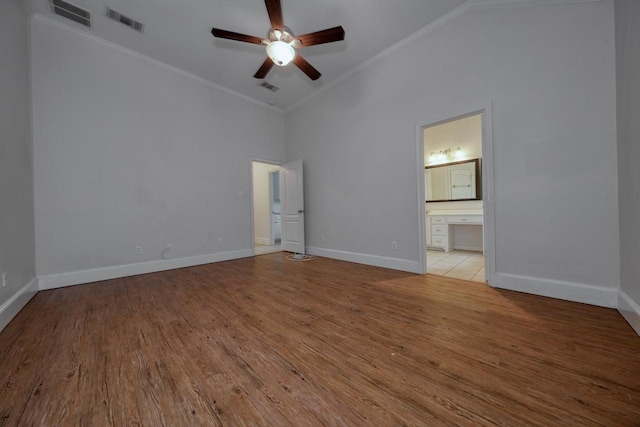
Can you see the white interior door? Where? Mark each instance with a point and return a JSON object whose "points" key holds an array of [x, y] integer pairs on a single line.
{"points": [[292, 207]]}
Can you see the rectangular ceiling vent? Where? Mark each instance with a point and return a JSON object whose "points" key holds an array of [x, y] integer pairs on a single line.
{"points": [[72, 12], [269, 86], [123, 19]]}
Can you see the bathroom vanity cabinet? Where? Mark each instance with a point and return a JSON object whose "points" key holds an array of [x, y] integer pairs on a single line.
{"points": [[440, 227]]}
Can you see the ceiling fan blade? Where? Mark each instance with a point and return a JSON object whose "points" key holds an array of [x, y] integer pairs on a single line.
{"points": [[224, 34], [306, 68], [264, 69], [274, 9], [319, 37]]}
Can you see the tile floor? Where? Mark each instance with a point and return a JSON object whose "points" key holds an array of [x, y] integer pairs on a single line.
{"points": [[466, 265], [266, 249]]}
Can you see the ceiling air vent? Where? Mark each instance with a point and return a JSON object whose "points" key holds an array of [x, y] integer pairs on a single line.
{"points": [[269, 86], [72, 12], [123, 19]]}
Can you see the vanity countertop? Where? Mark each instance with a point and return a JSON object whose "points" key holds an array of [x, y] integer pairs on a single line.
{"points": [[434, 212]]}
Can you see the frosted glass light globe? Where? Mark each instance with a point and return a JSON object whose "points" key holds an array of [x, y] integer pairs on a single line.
{"points": [[281, 53]]}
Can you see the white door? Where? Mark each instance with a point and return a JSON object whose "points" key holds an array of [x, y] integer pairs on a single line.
{"points": [[292, 207]]}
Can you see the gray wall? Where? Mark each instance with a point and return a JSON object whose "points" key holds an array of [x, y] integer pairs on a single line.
{"points": [[16, 171], [628, 70], [549, 72], [129, 152]]}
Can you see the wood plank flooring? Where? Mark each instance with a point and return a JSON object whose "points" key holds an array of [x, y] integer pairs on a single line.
{"points": [[265, 341]]}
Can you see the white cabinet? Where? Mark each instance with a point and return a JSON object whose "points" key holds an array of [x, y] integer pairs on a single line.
{"points": [[439, 232], [438, 220], [439, 228], [440, 242]]}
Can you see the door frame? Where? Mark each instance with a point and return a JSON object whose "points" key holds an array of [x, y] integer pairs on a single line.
{"points": [[488, 199], [276, 164]]}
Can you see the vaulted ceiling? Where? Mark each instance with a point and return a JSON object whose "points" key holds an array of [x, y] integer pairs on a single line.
{"points": [[178, 33]]}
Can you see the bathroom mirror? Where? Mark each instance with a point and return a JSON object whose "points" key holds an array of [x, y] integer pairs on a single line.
{"points": [[453, 181]]}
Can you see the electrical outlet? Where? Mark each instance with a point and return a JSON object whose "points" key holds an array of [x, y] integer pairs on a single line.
{"points": [[4, 279], [138, 250], [220, 241], [394, 245], [322, 237]]}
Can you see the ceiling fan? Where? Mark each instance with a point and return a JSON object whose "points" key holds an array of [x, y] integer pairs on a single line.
{"points": [[281, 44]]}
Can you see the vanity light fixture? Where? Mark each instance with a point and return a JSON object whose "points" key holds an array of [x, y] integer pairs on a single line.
{"points": [[439, 156], [443, 155]]}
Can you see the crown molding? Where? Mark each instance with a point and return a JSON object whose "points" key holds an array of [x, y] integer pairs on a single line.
{"points": [[469, 5], [444, 19], [486, 4]]}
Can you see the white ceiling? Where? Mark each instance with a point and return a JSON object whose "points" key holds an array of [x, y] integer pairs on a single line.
{"points": [[178, 33]]}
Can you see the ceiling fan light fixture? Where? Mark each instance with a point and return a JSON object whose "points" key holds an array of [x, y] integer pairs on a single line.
{"points": [[280, 53], [281, 44]]}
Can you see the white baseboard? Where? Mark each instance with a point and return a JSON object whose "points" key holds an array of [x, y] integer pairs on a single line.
{"points": [[577, 292], [262, 241], [570, 291], [588, 294], [52, 281], [630, 310], [377, 261], [468, 248], [9, 309]]}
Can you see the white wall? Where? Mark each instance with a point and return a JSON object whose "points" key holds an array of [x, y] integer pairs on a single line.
{"points": [[261, 205], [17, 253], [628, 69], [129, 152], [549, 73]]}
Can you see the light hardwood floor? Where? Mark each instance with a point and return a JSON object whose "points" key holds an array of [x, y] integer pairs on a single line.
{"points": [[267, 341]]}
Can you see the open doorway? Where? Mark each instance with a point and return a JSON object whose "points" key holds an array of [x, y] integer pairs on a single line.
{"points": [[267, 233], [453, 197]]}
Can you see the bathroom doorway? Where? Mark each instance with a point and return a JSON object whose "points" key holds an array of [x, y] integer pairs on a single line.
{"points": [[453, 197], [266, 207]]}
